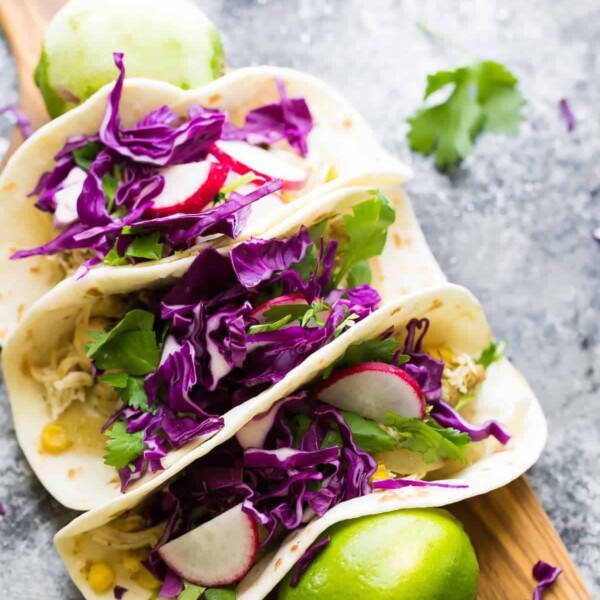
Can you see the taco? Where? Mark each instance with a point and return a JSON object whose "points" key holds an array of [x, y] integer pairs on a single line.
{"points": [[415, 406], [121, 374], [144, 171]]}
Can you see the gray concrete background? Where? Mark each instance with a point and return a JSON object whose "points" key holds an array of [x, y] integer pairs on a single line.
{"points": [[512, 224]]}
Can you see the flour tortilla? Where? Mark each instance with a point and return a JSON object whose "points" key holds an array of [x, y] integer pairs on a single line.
{"points": [[340, 135], [457, 322], [78, 478]]}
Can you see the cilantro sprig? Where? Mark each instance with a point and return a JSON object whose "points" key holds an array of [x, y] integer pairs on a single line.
{"points": [[122, 447], [483, 96]]}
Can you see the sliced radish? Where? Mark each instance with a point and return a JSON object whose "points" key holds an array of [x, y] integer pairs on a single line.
{"points": [[66, 198], [264, 211], [218, 552], [372, 389], [285, 300], [189, 187], [243, 158]]}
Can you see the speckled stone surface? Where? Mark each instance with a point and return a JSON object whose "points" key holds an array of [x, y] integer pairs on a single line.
{"points": [[513, 223]]}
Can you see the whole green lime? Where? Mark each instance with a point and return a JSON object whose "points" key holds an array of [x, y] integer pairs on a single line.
{"points": [[168, 40], [418, 554]]}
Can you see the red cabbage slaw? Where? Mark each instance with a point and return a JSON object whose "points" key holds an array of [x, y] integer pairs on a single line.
{"points": [[545, 575], [216, 349], [121, 172], [310, 459]]}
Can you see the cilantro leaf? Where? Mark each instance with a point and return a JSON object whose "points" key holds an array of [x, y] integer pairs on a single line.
{"points": [[266, 327], [312, 314], [190, 591], [484, 97], [220, 594], [122, 447], [360, 274], [366, 230], [130, 345], [113, 258], [368, 351], [367, 434], [110, 183], [135, 395], [294, 311], [494, 352], [428, 438], [116, 380], [147, 246], [86, 155], [349, 321]]}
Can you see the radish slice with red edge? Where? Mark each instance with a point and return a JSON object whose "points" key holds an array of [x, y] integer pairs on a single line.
{"points": [[243, 158], [189, 188], [285, 300], [216, 553], [371, 389]]}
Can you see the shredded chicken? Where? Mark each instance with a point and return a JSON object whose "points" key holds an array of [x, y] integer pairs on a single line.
{"points": [[70, 260], [110, 535], [67, 375], [461, 376]]}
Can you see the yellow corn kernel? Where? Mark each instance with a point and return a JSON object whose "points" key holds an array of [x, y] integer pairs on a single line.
{"points": [[147, 580], [101, 577], [54, 439], [381, 473], [331, 174], [131, 561]]}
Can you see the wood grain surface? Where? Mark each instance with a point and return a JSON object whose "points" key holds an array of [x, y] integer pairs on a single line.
{"points": [[508, 527]]}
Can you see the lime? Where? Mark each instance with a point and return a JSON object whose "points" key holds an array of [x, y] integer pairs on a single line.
{"points": [[417, 554], [170, 41]]}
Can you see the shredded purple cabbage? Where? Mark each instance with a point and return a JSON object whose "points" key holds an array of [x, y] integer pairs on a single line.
{"points": [[305, 560], [210, 362], [396, 484], [596, 234], [119, 591], [282, 485], [288, 119], [567, 114], [22, 121], [133, 156], [545, 575], [2, 510]]}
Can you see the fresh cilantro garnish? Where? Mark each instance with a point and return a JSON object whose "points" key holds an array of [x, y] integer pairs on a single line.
{"points": [[222, 195], [122, 447], [368, 351], [129, 346], [348, 321], [116, 380], [495, 351], [294, 311], [367, 434], [463, 401], [428, 438], [483, 97], [110, 183], [113, 258], [266, 327], [312, 314], [147, 246], [366, 231], [190, 591], [220, 594], [360, 274], [86, 155]]}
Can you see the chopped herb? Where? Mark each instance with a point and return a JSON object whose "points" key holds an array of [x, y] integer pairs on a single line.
{"points": [[266, 327], [428, 438], [366, 229], [349, 321], [494, 352], [483, 97], [116, 380], [463, 401], [190, 591], [220, 594], [110, 183], [367, 434], [85, 156], [312, 314], [294, 311], [147, 246], [122, 447]]}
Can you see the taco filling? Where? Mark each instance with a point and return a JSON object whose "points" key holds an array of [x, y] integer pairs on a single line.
{"points": [[165, 366], [384, 416], [132, 194]]}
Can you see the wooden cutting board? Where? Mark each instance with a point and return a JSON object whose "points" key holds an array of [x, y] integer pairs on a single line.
{"points": [[508, 527]]}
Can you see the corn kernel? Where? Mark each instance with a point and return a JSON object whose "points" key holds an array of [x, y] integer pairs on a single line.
{"points": [[147, 580], [381, 474], [54, 439], [331, 174], [101, 577], [131, 561]]}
